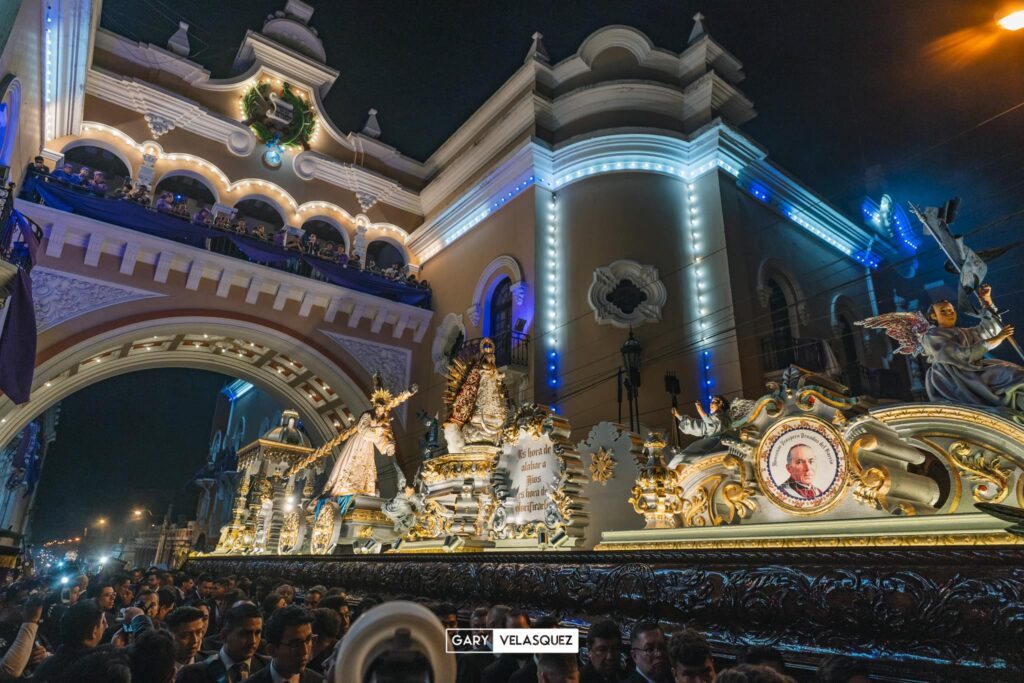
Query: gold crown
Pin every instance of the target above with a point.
(380, 395)
(486, 345)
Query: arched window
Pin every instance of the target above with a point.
(499, 322)
(258, 212)
(99, 159)
(325, 232)
(195, 191)
(779, 347)
(384, 254)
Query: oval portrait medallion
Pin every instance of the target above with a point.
(801, 465)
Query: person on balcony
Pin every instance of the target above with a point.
(123, 192)
(84, 176)
(240, 227)
(202, 216)
(37, 167)
(65, 175)
(98, 183)
(260, 233)
(165, 203)
(141, 195)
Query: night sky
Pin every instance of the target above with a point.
(133, 441)
(852, 97)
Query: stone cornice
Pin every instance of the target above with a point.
(132, 248)
(147, 99)
(310, 165)
(287, 63)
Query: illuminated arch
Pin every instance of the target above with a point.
(74, 368)
(189, 174)
(104, 145)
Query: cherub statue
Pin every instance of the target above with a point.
(403, 508)
(958, 371)
(708, 426)
(477, 405)
(355, 471)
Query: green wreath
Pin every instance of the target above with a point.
(297, 134)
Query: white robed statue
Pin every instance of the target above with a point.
(354, 471)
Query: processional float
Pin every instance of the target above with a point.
(805, 465)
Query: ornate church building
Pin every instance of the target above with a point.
(483, 350)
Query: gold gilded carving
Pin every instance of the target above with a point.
(458, 466)
(657, 495)
(323, 530)
(365, 532)
(967, 539)
(739, 495)
(289, 536)
(602, 466)
(954, 413)
(991, 479)
(433, 522)
(366, 517)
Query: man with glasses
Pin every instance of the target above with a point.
(649, 651)
(290, 640)
(604, 645)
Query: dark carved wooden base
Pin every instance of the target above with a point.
(920, 613)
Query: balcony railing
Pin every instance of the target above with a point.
(237, 243)
(511, 350)
(778, 353)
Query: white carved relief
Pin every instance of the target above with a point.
(393, 363)
(626, 293)
(59, 296)
(444, 340)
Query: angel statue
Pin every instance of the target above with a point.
(959, 371)
(708, 426)
(476, 400)
(355, 472)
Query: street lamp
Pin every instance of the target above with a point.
(631, 351)
(1014, 21)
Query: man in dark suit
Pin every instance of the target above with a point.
(290, 645)
(604, 646)
(507, 664)
(237, 658)
(649, 650)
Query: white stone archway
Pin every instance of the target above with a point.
(325, 395)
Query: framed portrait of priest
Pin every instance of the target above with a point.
(802, 465)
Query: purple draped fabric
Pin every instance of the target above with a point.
(122, 212)
(262, 252)
(27, 234)
(18, 341)
(370, 283)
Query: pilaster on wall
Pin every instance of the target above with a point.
(67, 30)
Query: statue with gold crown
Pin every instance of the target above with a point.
(354, 472)
(476, 401)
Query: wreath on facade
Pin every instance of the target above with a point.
(258, 103)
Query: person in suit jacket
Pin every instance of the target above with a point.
(237, 658)
(290, 639)
(649, 650)
(604, 645)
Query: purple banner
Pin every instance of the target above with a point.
(18, 341)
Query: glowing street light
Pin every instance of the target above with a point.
(64, 579)
(1013, 21)
(101, 521)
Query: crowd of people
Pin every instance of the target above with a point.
(168, 203)
(161, 627)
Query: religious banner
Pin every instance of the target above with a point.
(537, 482)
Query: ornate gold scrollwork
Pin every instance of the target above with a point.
(991, 479)
(289, 536)
(458, 466)
(602, 466)
(433, 522)
(739, 495)
(323, 530)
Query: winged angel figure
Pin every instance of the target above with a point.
(958, 370)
